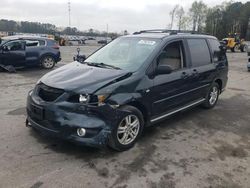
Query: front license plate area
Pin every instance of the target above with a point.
(37, 111)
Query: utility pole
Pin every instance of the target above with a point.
(69, 9)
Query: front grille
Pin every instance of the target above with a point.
(47, 93)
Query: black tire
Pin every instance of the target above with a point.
(233, 49)
(48, 62)
(114, 142)
(243, 48)
(209, 103)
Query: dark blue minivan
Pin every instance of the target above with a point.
(22, 51)
(133, 82)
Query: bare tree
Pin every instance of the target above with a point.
(185, 23)
(198, 14)
(180, 14)
(172, 14)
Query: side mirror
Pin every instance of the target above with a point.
(163, 69)
(5, 48)
(223, 48)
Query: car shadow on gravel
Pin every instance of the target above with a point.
(69, 148)
(222, 117)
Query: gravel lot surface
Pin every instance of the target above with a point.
(196, 148)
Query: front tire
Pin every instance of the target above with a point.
(128, 130)
(48, 62)
(212, 96)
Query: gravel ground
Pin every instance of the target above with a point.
(196, 148)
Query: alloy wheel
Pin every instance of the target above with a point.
(213, 95)
(48, 62)
(128, 129)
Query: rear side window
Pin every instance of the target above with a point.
(32, 43)
(216, 52)
(199, 52)
(41, 43)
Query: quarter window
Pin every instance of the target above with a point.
(41, 43)
(216, 52)
(199, 51)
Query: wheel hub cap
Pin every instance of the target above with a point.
(48, 62)
(128, 129)
(213, 95)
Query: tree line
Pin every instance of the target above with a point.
(220, 20)
(45, 28)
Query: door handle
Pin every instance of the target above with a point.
(184, 75)
(195, 73)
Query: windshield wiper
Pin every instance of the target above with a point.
(103, 65)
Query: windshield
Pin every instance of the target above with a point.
(2, 41)
(125, 53)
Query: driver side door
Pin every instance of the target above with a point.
(170, 90)
(13, 53)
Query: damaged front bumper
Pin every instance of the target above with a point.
(62, 119)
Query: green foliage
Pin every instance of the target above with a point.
(228, 18)
(198, 13)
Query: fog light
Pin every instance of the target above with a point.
(81, 132)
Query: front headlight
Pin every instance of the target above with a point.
(93, 99)
(84, 98)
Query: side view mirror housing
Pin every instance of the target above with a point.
(163, 69)
(223, 48)
(4, 48)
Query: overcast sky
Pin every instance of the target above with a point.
(131, 15)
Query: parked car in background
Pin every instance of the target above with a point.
(133, 82)
(102, 42)
(22, 51)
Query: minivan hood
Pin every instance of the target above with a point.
(79, 77)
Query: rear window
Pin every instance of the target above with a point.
(199, 52)
(42, 42)
(51, 43)
(216, 52)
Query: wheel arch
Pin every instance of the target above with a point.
(47, 55)
(140, 107)
(219, 82)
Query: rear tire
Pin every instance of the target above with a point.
(48, 62)
(243, 48)
(212, 96)
(127, 131)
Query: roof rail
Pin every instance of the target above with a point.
(171, 32)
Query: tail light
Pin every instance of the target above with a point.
(57, 47)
